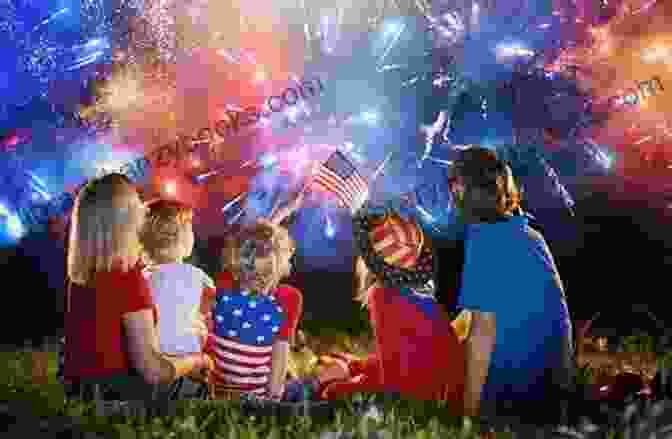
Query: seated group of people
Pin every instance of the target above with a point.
(135, 329)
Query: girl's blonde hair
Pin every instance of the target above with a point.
(162, 235)
(268, 265)
(106, 219)
(286, 249)
(365, 280)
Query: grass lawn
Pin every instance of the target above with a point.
(40, 410)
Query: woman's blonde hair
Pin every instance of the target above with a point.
(286, 249)
(277, 244)
(162, 235)
(106, 219)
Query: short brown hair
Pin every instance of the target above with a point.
(165, 222)
(490, 189)
(268, 266)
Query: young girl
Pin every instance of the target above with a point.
(418, 353)
(279, 217)
(111, 339)
(254, 318)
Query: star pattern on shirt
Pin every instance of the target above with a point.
(246, 318)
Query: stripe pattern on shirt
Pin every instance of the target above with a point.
(245, 326)
(241, 367)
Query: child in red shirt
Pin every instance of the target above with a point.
(418, 353)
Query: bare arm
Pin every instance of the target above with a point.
(281, 214)
(284, 212)
(279, 361)
(142, 342)
(478, 347)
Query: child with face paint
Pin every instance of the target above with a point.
(254, 318)
(419, 353)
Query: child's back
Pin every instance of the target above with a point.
(178, 289)
(420, 353)
(246, 327)
(253, 318)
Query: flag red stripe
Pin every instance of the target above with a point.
(341, 185)
(347, 189)
(335, 184)
(328, 187)
(343, 182)
(355, 185)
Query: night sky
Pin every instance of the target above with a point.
(620, 252)
(611, 254)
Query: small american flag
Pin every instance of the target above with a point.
(339, 176)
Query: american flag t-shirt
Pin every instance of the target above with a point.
(340, 177)
(241, 367)
(245, 326)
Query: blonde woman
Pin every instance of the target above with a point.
(254, 317)
(110, 326)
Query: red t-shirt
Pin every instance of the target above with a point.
(94, 332)
(224, 280)
(291, 301)
(417, 355)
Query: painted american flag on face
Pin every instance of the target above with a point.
(340, 177)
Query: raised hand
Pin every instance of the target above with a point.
(294, 204)
(298, 199)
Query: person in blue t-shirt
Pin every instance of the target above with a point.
(520, 347)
